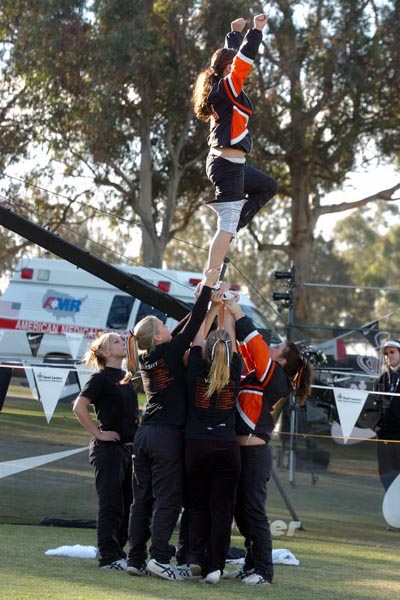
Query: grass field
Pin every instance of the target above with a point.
(344, 548)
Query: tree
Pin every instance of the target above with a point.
(316, 108)
(110, 90)
(109, 85)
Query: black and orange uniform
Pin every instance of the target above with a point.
(116, 407)
(158, 447)
(212, 463)
(230, 107)
(263, 386)
(388, 427)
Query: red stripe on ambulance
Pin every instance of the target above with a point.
(53, 328)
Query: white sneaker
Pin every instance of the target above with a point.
(255, 579)
(117, 565)
(137, 571)
(239, 575)
(212, 577)
(186, 571)
(163, 570)
(228, 295)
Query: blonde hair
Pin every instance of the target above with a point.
(217, 353)
(141, 340)
(206, 78)
(95, 358)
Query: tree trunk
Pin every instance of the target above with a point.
(301, 242)
(152, 251)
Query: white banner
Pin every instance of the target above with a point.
(31, 380)
(391, 504)
(83, 377)
(50, 383)
(357, 434)
(12, 467)
(349, 404)
(74, 341)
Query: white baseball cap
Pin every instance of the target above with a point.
(391, 344)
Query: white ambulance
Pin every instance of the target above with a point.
(51, 309)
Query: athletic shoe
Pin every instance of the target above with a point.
(137, 571)
(228, 295)
(165, 571)
(186, 571)
(239, 575)
(255, 579)
(212, 577)
(117, 565)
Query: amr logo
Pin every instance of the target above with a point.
(61, 305)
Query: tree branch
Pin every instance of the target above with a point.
(385, 195)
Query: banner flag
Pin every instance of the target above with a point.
(31, 381)
(83, 377)
(50, 383)
(74, 342)
(357, 434)
(349, 404)
(34, 340)
(12, 467)
(391, 504)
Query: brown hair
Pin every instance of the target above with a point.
(206, 79)
(95, 358)
(300, 371)
(217, 354)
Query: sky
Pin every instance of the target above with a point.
(360, 184)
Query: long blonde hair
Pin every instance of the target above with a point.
(206, 78)
(95, 358)
(217, 353)
(141, 340)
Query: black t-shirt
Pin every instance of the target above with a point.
(212, 417)
(163, 374)
(116, 405)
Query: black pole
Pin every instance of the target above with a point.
(285, 498)
(131, 284)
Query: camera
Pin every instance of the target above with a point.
(315, 356)
(279, 296)
(283, 274)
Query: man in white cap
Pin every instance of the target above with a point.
(388, 426)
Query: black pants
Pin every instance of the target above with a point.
(112, 464)
(238, 181)
(250, 512)
(212, 472)
(157, 492)
(388, 462)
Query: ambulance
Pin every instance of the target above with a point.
(51, 309)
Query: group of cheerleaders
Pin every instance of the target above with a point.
(201, 448)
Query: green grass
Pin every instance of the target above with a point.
(345, 550)
(330, 570)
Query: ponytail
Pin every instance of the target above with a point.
(299, 370)
(217, 353)
(206, 79)
(140, 340)
(95, 358)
